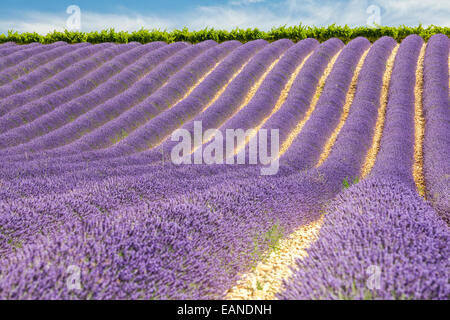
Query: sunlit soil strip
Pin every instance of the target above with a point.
(266, 279)
(217, 95)
(198, 82)
(222, 90)
(294, 133)
(249, 96)
(379, 126)
(345, 110)
(419, 126)
(281, 99)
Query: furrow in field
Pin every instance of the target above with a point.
(338, 165)
(260, 105)
(231, 93)
(419, 125)
(166, 93)
(66, 213)
(376, 225)
(150, 91)
(281, 100)
(123, 140)
(261, 87)
(239, 90)
(160, 64)
(20, 116)
(10, 49)
(153, 100)
(267, 278)
(241, 81)
(82, 208)
(354, 141)
(6, 45)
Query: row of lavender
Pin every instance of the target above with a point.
(310, 122)
(306, 131)
(170, 232)
(379, 238)
(180, 246)
(149, 108)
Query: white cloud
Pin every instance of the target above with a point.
(244, 14)
(45, 22)
(413, 12)
(244, 2)
(228, 18)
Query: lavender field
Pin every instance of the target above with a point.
(92, 207)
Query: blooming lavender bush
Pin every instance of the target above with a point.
(92, 208)
(436, 107)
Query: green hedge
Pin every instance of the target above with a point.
(295, 33)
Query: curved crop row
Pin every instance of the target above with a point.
(85, 195)
(157, 129)
(210, 251)
(238, 84)
(49, 70)
(380, 240)
(71, 110)
(21, 55)
(11, 47)
(395, 157)
(237, 94)
(350, 149)
(158, 98)
(235, 90)
(17, 71)
(80, 125)
(20, 116)
(286, 47)
(164, 98)
(160, 65)
(311, 72)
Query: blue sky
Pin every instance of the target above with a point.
(44, 16)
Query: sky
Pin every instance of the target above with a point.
(47, 15)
